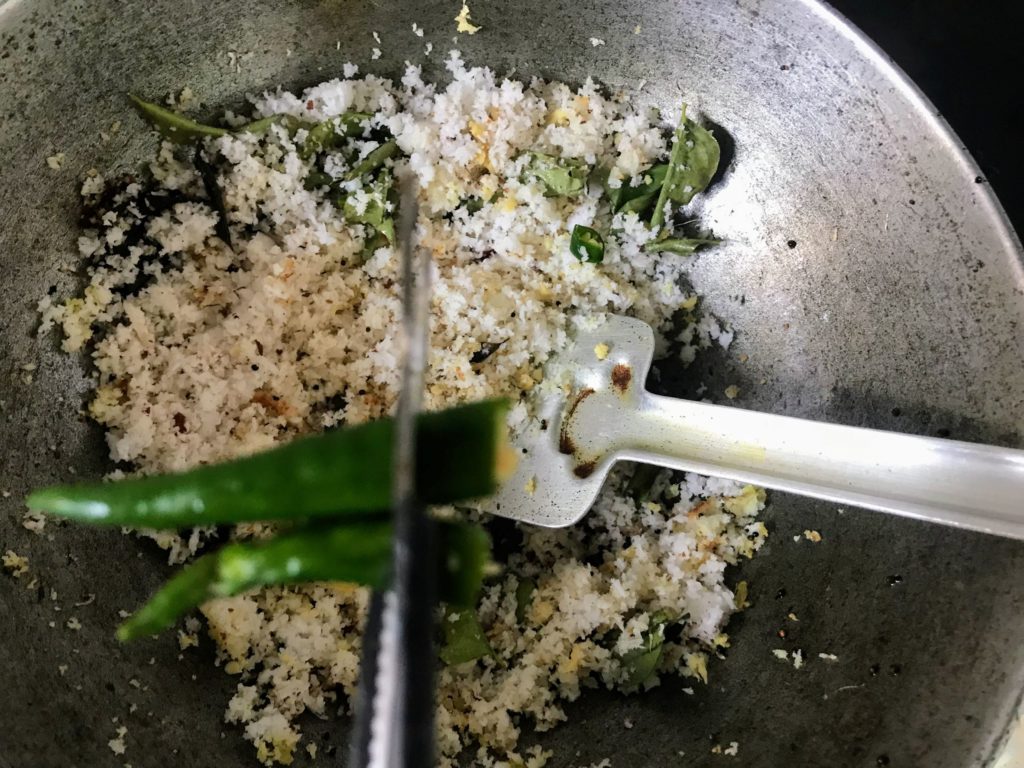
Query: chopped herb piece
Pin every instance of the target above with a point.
(473, 204)
(373, 243)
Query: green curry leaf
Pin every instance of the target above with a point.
(560, 176)
(638, 199)
(642, 662)
(683, 246)
(691, 166)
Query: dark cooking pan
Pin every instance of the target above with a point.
(870, 279)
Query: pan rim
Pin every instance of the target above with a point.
(1007, 749)
(917, 98)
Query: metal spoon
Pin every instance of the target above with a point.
(602, 414)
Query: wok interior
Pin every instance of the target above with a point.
(871, 282)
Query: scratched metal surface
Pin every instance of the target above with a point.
(871, 280)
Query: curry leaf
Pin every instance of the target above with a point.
(372, 244)
(642, 482)
(683, 246)
(560, 176)
(697, 162)
(642, 662)
(638, 199)
(473, 204)
(691, 166)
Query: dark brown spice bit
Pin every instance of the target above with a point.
(622, 375)
(583, 471)
(272, 403)
(487, 349)
(179, 423)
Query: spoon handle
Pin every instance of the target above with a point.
(980, 487)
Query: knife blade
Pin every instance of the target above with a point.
(395, 710)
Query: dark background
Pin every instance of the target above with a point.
(968, 58)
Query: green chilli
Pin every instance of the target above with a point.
(334, 474)
(586, 244)
(683, 246)
(356, 552)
